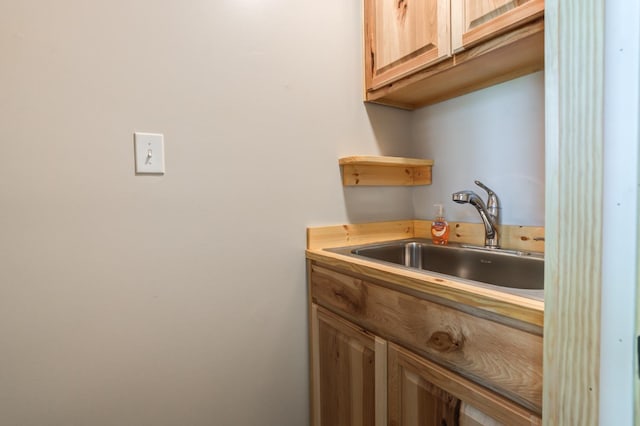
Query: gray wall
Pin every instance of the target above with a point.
(128, 300)
(495, 136)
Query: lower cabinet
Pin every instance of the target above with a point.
(421, 392)
(346, 373)
(359, 379)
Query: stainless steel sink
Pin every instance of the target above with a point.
(504, 268)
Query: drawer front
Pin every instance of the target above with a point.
(504, 359)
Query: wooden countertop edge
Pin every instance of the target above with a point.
(508, 305)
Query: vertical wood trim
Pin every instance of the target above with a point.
(410, 406)
(368, 43)
(315, 365)
(457, 24)
(381, 381)
(574, 172)
(393, 386)
(444, 32)
(552, 197)
(357, 377)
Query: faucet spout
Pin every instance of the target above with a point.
(488, 212)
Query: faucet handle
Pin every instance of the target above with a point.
(492, 202)
(485, 187)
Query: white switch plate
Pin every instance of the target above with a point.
(149, 149)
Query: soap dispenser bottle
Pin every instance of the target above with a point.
(439, 227)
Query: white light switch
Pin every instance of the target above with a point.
(149, 149)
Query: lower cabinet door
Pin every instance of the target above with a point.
(414, 399)
(426, 394)
(471, 416)
(349, 373)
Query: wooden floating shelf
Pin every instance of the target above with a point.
(385, 171)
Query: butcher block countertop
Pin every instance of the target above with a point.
(504, 306)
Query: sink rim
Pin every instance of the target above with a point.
(537, 294)
(449, 246)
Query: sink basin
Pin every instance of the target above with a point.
(504, 268)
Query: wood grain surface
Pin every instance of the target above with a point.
(503, 358)
(525, 310)
(411, 400)
(353, 234)
(574, 81)
(403, 36)
(526, 238)
(507, 56)
(483, 20)
(382, 170)
(344, 368)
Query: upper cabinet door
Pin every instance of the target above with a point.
(403, 36)
(474, 21)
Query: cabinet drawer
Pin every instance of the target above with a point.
(499, 357)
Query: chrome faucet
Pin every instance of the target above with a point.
(489, 213)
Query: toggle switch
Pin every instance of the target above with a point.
(149, 150)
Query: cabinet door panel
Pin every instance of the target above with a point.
(403, 36)
(474, 21)
(345, 371)
(426, 394)
(423, 403)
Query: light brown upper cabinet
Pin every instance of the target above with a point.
(419, 52)
(405, 36)
(474, 21)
